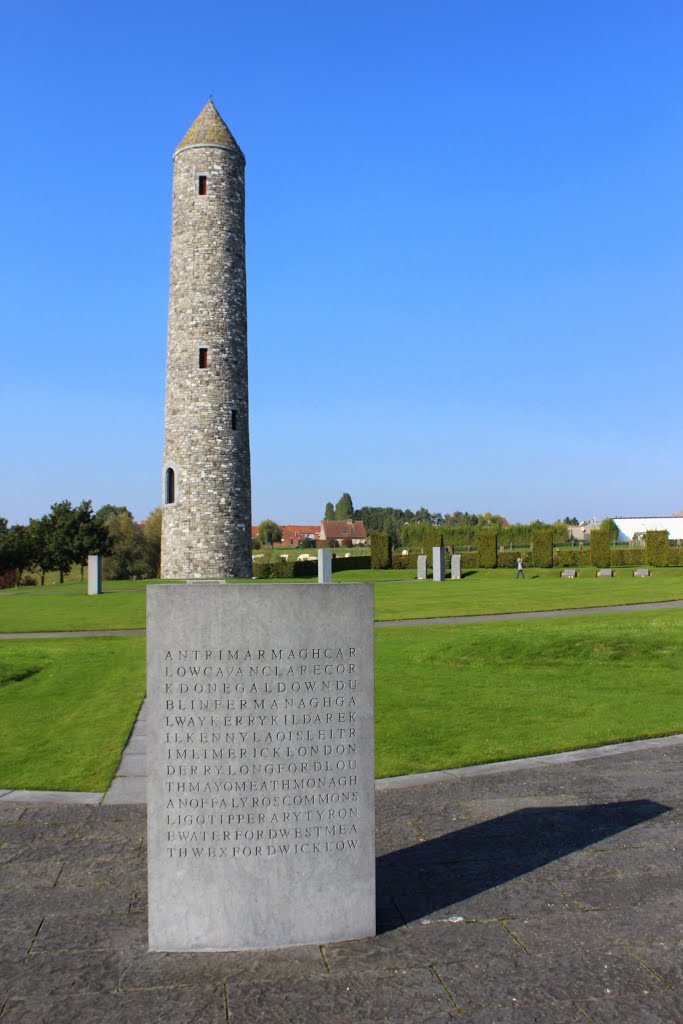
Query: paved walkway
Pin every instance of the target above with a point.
(546, 891)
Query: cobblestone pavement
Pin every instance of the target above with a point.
(552, 893)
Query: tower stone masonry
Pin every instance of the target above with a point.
(206, 526)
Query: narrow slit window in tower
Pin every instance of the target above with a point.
(170, 487)
(202, 184)
(203, 358)
(233, 419)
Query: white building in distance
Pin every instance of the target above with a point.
(631, 527)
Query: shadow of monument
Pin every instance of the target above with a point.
(443, 872)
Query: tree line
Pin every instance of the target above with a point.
(404, 525)
(67, 534)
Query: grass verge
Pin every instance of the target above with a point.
(448, 696)
(66, 710)
(481, 592)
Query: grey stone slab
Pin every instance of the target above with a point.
(94, 574)
(259, 697)
(439, 564)
(389, 997)
(421, 944)
(17, 935)
(324, 565)
(569, 574)
(158, 1006)
(540, 980)
(456, 572)
(422, 567)
(666, 961)
(642, 572)
(605, 572)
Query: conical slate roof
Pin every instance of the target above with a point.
(209, 129)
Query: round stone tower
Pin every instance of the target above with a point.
(206, 527)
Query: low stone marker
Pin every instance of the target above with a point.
(422, 567)
(605, 572)
(94, 574)
(642, 572)
(439, 563)
(324, 565)
(455, 567)
(260, 765)
(569, 574)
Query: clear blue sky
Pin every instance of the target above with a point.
(464, 249)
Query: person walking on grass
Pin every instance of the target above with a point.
(520, 568)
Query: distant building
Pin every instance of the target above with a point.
(292, 535)
(347, 532)
(633, 527)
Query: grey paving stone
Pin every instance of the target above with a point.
(656, 1008)
(27, 796)
(556, 1013)
(10, 813)
(102, 872)
(540, 980)
(394, 997)
(143, 970)
(25, 874)
(419, 945)
(665, 961)
(104, 932)
(105, 829)
(652, 924)
(198, 1005)
(601, 894)
(132, 764)
(131, 790)
(102, 899)
(519, 897)
(42, 975)
(17, 934)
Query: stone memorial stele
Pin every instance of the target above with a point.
(260, 765)
(439, 563)
(641, 572)
(324, 565)
(455, 567)
(605, 572)
(569, 574)
(94, 574)
(422, 567)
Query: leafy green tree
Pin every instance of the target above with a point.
(91, 537)
(15, 553)
(41, 552)
(269, 532)
(126, 546)
(329, 511)
(344, 507)
(63, 528)
(570, 521)
(612, 528)
(151, 535)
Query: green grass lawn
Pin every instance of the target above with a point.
(66, 710)
(398, 596)
(448, 696)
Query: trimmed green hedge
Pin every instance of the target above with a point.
(278, 569)
(380, 551)
(542, 547)
(352, 562)
(487, 549)
(657, 547)
(508, 559)
(600, 548)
